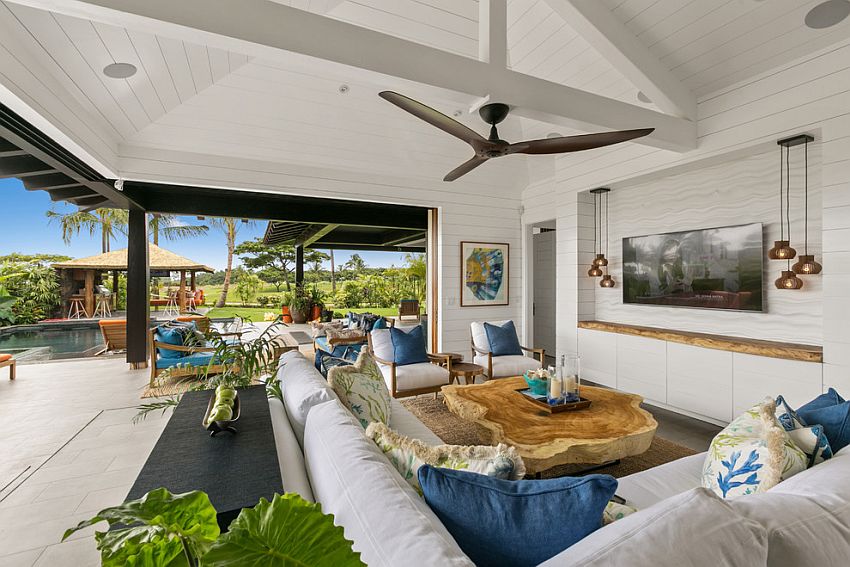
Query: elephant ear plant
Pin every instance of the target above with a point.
(180, 530)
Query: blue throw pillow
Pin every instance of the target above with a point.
(833, 413)
(172, 336)
(515, 522)
(381, 323)
(503, 340)
(408, 348)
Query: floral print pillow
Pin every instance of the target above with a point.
(362, 389)
(752, 454)
(408, 455)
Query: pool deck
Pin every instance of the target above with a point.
(69, 450)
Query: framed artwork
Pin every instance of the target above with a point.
(484, 274)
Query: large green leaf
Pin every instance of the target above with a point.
(161, 524)
(288, 531)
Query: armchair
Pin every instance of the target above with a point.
(501, 366)
(189, 360)
(409, 379)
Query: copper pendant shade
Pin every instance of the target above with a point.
(600, 260)
(781, 251)
(595, 271)
(600, 263)
(788, 280)
(806, 265)
(607, 281)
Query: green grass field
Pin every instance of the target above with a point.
(256, 314)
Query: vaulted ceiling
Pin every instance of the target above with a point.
(192, 96)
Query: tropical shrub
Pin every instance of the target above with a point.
(247, 287)
(36, 288)
(263, 300)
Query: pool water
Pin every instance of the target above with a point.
(41, 342)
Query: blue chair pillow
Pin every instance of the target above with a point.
(515, 522)
(503, 340)
(381, 323)
(171, 336)
(832, 412)
(408, 348)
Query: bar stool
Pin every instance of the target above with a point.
(102, 309)
(77, 307)
(171, 308)
(190, 301)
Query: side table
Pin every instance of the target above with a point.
(467, 370)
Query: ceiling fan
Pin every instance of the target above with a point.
(493, 146)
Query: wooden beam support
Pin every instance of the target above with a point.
(74, 191)
(493, 32)
(138, 288)
(313, 234)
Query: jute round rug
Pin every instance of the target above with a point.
(456, 431)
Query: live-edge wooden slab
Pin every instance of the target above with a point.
(772, 349)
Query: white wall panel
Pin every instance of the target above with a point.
(642, 367)
(699, 380)
(598, 351)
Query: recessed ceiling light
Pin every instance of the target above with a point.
(828, 14)
(119, 70)
(643, 98)
(343, 88)
(551, 135)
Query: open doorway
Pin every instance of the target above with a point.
(543, 306)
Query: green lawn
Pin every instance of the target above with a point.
(256, 313)
(213, 291)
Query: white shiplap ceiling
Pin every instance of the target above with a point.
(193, 97)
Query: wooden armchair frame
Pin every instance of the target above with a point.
(176, 371)
(489, 376)
(11, 363)
(438, 359)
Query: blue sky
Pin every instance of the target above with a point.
(24, 228)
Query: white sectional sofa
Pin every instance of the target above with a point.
(325, 456)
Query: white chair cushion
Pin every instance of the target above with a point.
(510, 365)
(293, 472)
(649, 487)
(414, 376)
(692, 529)
(407, 424)
(382, 344)
(389, 523)
(807, 516)
(303, 387)
(479, 335)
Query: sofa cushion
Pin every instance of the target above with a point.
(389, 523)
(504, 366)
(293, 472)
(408, 455)
(195, 359)
(807, 517)
(517, 523)
(382, 344)
(503, 339)
(408, 346)
(752, 454)
(833, 413)
(414, 376)
(361, 388)
(812, 440)
(403, 421)
(319, 329)
(649, 487)
(303, 387)
(692, 529)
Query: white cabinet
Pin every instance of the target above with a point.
(759, 376)
(598, 351)
(699, 380)
(642, 367)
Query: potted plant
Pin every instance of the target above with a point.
(317, 300)
(182, 530)
(285, 299)
(299, 305)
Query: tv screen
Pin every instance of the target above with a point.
(712, 268)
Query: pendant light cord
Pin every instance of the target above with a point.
(806, 202)
(788, 195)
(606, 224)
(781, 195)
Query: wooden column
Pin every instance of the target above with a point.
(115, 289)
(89, 293)
(181, 294)
(299, 266)
(192, 281)
(138, 288)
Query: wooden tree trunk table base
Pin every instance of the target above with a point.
(613, 427)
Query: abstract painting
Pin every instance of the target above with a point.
(484, 274)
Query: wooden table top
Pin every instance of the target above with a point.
(613, 427)
(467, 368)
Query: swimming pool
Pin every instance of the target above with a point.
(50, 341)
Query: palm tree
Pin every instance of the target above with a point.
(355, 263)
(333, 273)
(172, 229)
(108, 222)
(230, 227)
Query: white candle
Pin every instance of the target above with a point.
(571, 383)
(554, 388)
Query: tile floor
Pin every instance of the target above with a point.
(69, 448)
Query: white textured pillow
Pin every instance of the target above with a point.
(362, 389)
(345, 334)
(319, 329)
(382, 344)
(303, 387)
(408, 455)
(692, 529)
(752, 454)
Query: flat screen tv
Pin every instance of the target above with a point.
(711, 268)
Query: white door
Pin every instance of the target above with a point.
(544, 291)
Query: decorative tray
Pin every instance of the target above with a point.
(219, 426)
(543, 403)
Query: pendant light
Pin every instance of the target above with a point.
(594, 270)
(782, 248)
(788, 280)
(806, 264)
(602, 261)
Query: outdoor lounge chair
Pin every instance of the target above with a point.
(114, 333)
(193, 362)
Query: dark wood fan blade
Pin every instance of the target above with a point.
(464, 168)
(434, 117)
(576, 143)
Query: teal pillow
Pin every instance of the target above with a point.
(408, 348)
(381, 323)
(171, 336)
(503, 340)
(832, 412)
(519, 522)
